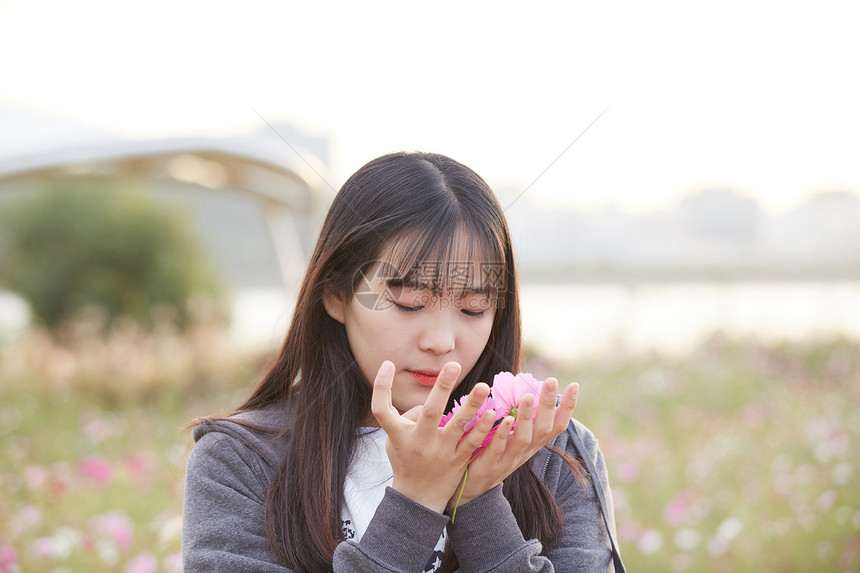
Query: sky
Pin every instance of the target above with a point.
(760, 97)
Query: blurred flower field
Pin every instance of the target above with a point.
(93, 446)
(739, 457)
(736, 458)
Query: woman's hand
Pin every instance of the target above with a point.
(507, 451)
(429, 461)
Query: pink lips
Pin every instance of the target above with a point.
(424, 377)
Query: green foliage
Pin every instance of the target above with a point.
(85, 243)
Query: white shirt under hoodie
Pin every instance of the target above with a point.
(364, 487)
(368, 475)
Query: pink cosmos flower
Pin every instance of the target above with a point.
(59, 546)
(115, 526)
(146, 562)
(95, 469)
(508, 389)
(8, 559)
(489, 404)
(173, 563)
(140, 467)
(36, 476)
(676, 510)
(506, 393)
(628, 470)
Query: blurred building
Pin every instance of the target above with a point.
(255, 201)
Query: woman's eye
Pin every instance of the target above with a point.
(405, 308)
(473, 313)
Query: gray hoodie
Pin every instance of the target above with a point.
(231, 467)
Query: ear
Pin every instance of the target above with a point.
(335, 306)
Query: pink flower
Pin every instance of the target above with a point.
(95, 469)
(509, 389)
(146, 562)
(173, 563)
(628, 471)
(8, 559)
(36, 476)
(140, 468)
(59, 546)
(676, 510)
(115, 526)
(43, 547)
(489, 404)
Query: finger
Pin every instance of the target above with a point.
(473, 440)
(412, 414)
(436, 401)
(549, 394)
(523, 428)
(468, 409)
(380, 401)
(545, 415)
(566, 406)
(497, 445)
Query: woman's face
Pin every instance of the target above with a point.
(416, 328)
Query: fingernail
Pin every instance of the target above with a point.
(450, 371)
(386, 368)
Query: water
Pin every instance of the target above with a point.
(573, 321)
(568, 321)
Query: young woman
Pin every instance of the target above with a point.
(337, 460)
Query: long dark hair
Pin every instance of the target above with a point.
(414, 204)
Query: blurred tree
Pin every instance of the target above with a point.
(87, 242)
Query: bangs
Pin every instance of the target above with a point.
(450, 259)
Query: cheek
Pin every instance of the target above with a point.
(374, 336)
(476, 338)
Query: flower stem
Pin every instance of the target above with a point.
(459, 495)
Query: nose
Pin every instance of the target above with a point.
(438, 333)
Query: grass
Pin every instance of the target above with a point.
(738, 457)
